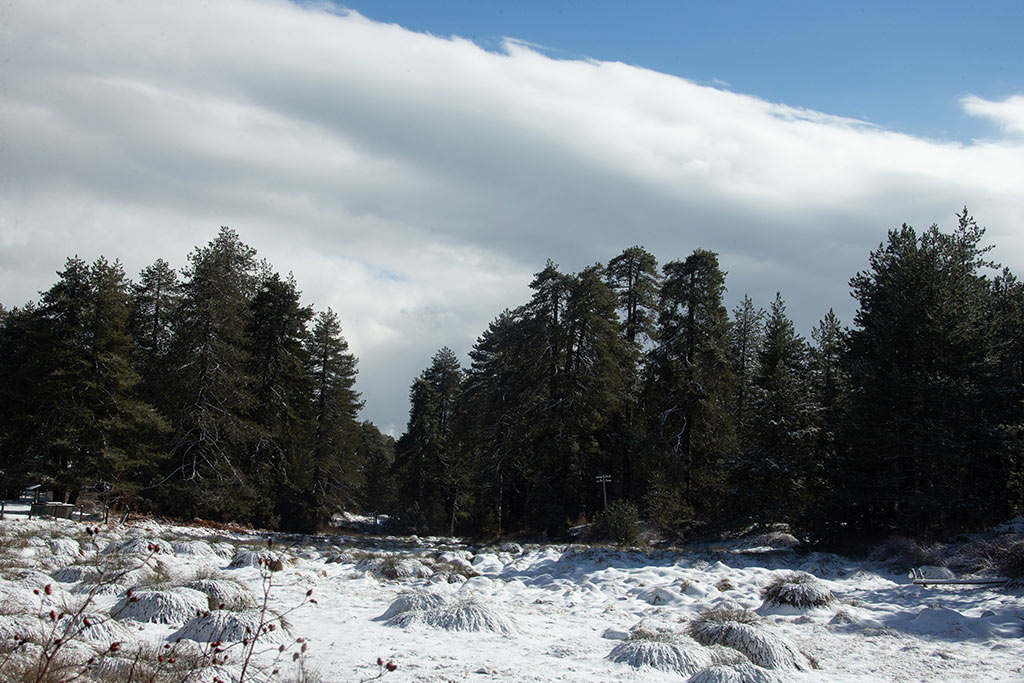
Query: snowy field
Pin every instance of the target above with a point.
(441, 610)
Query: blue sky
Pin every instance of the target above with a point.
(413, 168)
(900, 65)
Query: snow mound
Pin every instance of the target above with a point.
(73, 574)
(24, 626)
(677, 656)
(136, 546)
(394, 567)
(413, 602)
(64, 546)
(121, 669)
(232, 627)
(463, 615)
(246, 557)
(741, 630)
(211, 673)
(797, 589)
(174, 606)
(932, 572)
(737, 673)
(193, 549)
(225, 594)
(658, 595)
(93, 627)
(31, 578)
(15, 599)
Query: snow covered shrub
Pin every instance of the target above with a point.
(193, 549)
(724, 585)
(674, 654)
(619, 523)
(778, 539)
(225, 594)
(744, 672)
(454, 570)
(136, 546)
(232, 627)
(246, 557)
(64, 546)
(741, 630)
(901, 553)
(92, 627)
(174, 606)
(394, 567)
(1003, 557)
(468, 614)
(797, 589)
(412, 602)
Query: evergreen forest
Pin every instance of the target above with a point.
(215, 393)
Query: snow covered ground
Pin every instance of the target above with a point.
(445, 611)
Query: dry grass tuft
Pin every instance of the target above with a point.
(797, 589)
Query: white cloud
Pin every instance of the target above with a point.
(413, 183)
(1008, 114)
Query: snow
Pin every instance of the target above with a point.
(443, 610)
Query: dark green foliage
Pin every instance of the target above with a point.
(689, 385)
(211, 398)
(619, 523)
(154, 307)
(924, 447)
(321, 459)
(428, 463)
(771, 479)
(746, 336)
(221, 395)
(79, 421)
(633, 277)
(377, 453)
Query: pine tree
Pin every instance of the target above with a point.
(503, 397)
(281, 391)
(776, 467)
(431, 472)
(154, 306)
(327, 474)
(920, 361)
(93, 432)
(689, 385)
(210, 385)
(746, 337)
(376, 452)
(831, 390)
(633, 277)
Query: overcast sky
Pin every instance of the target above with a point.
(414, 181)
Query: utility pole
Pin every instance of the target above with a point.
(603, 479)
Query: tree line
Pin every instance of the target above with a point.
(910, 421)
(213, 393)
(216, 393)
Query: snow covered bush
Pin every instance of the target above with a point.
(901, 553)
(412, 602)
(225, 594)
(247, 557)
(797, 589)
(741, 630)
(468, 614)
(674, 654)
(174, 606)
(736, 673)
(233, 627)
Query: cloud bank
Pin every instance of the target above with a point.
(415, 182)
